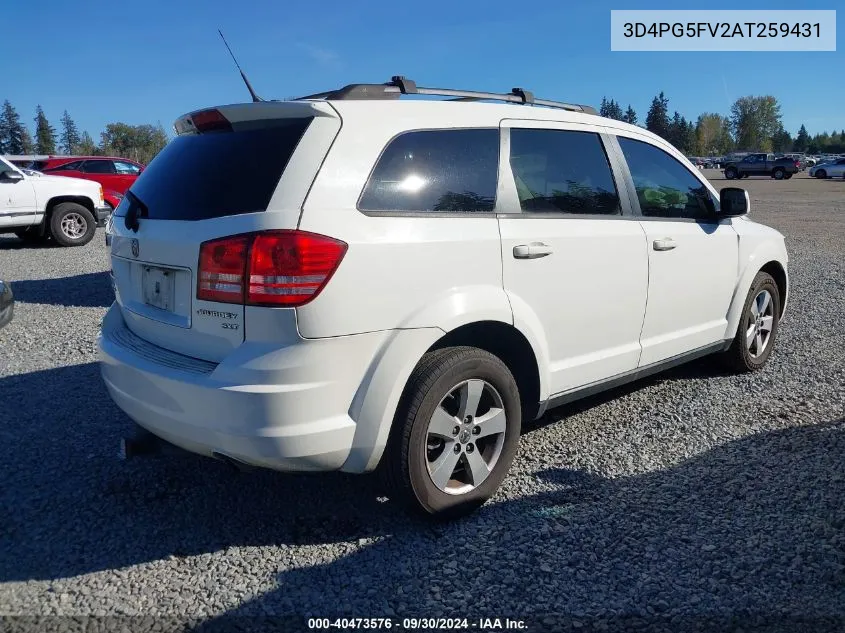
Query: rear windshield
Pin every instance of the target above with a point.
(202, 176)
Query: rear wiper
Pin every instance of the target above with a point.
(137, 209)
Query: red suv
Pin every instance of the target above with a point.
(116, 175)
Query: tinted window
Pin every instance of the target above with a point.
(665, 188)
(74, 166)
(200, 176)
(127, 169)
(435, 170)
(98, 167)
(562, 172)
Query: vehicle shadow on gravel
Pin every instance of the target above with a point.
(89, 290)
(746, 529)
(743, 537)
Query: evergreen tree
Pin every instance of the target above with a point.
(26, 141)
(603, 108)
(70, 135)
(630, 116)
(86, 145)
(615, 111)
(13, 134)
(802, 141)
(45, 134)
(657, 119)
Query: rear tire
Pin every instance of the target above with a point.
(71, 224)
(757, 330)
(455, 433)
(778, 174)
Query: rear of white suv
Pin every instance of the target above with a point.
(201, 346)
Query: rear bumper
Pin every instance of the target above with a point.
(101, 214)
(284, 407)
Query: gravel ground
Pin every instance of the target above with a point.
(691, 500)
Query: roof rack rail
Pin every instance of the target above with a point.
(399, 85)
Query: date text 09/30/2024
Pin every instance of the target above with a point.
(419, 624)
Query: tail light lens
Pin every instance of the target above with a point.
(222, 269)
(271, 268)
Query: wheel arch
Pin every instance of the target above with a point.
(771, 264)
(53, 202)
(376, 401)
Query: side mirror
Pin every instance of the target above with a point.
(11, 176)
(733, 202)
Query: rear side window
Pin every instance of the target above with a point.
(126, 169)
(665, 188)
(436, 171)
(202, 176)
(558, 171)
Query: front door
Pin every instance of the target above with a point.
(575, 264)
(692, 259)
(17, 199)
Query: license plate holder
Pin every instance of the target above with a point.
(158, 286)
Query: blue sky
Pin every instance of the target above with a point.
(150, 61)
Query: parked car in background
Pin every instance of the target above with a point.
(37, 208)
(834, 169)
(7, 303)
(255, 320)
(116, 175)
(762, 165)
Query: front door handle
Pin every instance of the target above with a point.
(666, 244)
(532, 250)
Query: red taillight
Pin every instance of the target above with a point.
(281, 268)
(222, 269)
(211, 121)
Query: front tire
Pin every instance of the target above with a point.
(455, 433)
(758, 327)
(730, 173)
(821, 174)
(71, 224)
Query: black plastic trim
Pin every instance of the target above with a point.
(635, 374)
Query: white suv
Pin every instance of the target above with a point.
(349, 280)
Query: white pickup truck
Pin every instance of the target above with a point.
(36, 207)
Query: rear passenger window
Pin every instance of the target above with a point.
(435, 171)
(665, 188)
(558, 171)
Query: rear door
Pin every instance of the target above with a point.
(692, 258)
(204, 186)
(571, 252)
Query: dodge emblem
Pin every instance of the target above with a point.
(136, 248)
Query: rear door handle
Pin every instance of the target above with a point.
(666, 244)
(532, 250)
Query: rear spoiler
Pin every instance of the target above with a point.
(238, 114)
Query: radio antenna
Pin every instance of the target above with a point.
(255, 97)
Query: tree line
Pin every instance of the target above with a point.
(138, 142)
(754, 124)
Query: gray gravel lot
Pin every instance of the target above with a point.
(691, 500)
